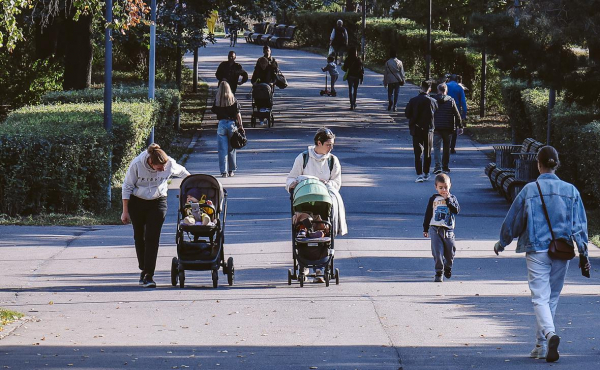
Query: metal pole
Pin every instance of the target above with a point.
(551, 102)
(364, 27)
(152, 64)
(428, 71)
(483, 83)
(108, 88)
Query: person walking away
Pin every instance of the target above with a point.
(144, 197)
(439, 224)
(227, 109)
(355, 73)
(393, 78)
(339, 40)
(546, 210)
(457, 92)
(317, 161)
(420, 111)
(447, 121)
(333, 73)
(231, 71)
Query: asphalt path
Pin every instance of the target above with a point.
(78, 286)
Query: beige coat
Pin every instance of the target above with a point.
(393, 71)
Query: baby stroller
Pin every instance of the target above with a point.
(200, 244)
(312, 232)
(262, 104)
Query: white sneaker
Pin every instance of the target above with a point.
(539, 351)
(420, 178)
(426, 176)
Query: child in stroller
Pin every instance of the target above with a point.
(262, 104)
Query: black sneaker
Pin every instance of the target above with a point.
(438, 278)
(437, 171)
(142, 275)
(553, 342)
(446, 170)
(447, 273)
(149, 282)
(452, 151)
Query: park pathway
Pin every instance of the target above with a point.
(80, 285)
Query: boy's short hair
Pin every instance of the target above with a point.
(442, 178)
(330, 58)
(426, 85)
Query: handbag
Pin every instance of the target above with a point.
(346, 75)
(559, 249)
(238, 140)
(280, 80)
(400, 81)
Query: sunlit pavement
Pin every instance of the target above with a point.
(79, 285)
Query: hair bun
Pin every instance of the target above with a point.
(551, 162)
(153, 147)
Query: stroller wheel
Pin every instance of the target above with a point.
(337, 276)
(326, 276)
(253, 122)
(301, 279)
(182, 279)
(230, 271)
(289, 276)
(271, 121)
(174, 271)
(215, 278)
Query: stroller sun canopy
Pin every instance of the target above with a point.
(311, 191)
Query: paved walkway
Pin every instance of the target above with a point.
(79, 285)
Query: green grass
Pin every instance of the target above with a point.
(492, 129)
(7, 316)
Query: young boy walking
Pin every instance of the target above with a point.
(333, 72)
(438, 224)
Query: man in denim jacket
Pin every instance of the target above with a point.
(526, 220)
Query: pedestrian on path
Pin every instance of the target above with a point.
(547, 210)
(331, 68)
(420, 111)
(438, 224)
(338, 41)
(231, 71)
(355, 72)
(393, 78)
(457, 92)
(447, 121)
(318, 162)
(271, 59)
(145, 204)
(227, 109)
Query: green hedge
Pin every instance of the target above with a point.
(169, 101)
(56, 158)
(314, 28)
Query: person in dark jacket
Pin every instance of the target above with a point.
(447, 121)
(227, 109)
(270, 58)
(420, 111)
(263, 72)
(339, 40)
(231, 71)
(355, 74)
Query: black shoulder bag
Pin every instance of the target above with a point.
(559, 249)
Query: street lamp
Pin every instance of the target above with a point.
(428, 71)
(108, 87)
(152, 63)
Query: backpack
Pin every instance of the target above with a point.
(305, 160)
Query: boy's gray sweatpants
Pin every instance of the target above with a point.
(442, 247)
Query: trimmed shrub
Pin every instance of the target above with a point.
(169, 101)
(314, 28)
(56, 158)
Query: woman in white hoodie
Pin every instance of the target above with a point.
(326, 167)
(145, 204)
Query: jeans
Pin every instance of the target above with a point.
(453, 141)
(422, 143)
(227, 155)
(439, 137)
(443, 247)
(353, 89)
(393, 89)
(147, 218)
(546, 278)
(334, 78)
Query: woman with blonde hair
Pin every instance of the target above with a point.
(227, 109)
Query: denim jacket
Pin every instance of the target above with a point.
(526, 219)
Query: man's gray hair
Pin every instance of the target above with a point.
(340, 22)
(442, 88)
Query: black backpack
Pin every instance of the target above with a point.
(305, 160)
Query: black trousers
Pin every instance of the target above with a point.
(147, 218)
(422, 144)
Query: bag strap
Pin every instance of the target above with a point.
(305, 160)
(545, 210)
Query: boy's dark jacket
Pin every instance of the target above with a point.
(420, 111)
(452, 204)
(447, 116)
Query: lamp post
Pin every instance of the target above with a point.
(364, 27)
(108, 88)
(152, 62)
(428, 71)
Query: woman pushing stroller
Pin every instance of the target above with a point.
(317, 161)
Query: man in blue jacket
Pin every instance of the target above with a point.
(458, 94)
(420, 111)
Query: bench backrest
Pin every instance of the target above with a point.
(269, 29)
(279, 30)
(260, 27)
(531, 146)
(289, 32)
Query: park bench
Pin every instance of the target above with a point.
(257, 36)
(278, 31)
(278, 41)
(515, 166)
(256, 28)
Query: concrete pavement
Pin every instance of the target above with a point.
(79, 285)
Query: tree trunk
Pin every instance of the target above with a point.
(349, 5)
(594, 47)
(78, 53)
(195, 71)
